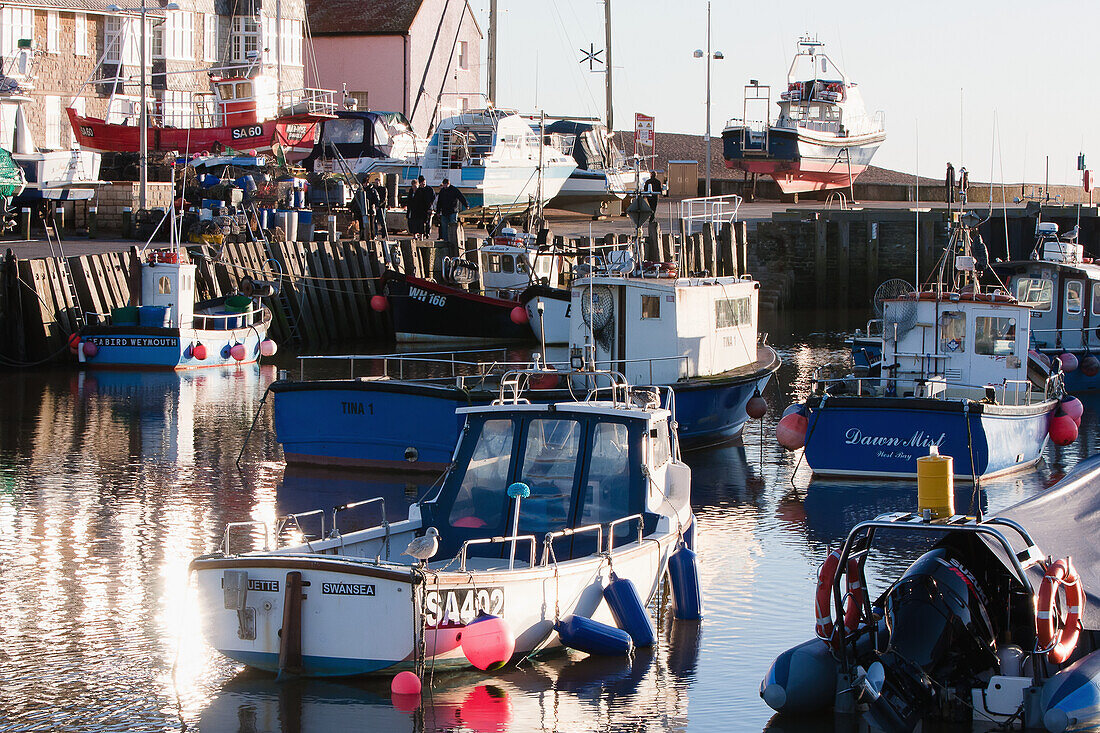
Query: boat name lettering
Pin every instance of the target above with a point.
(347, 589)
(357, 408)
(425, 297)
(134, 341)
(240, 133)
(460, 606)
(271, 586)
(919, 439)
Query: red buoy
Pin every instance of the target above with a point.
(379, 303)
(757, 406)
(405, 683)
(90, 349)
(487, 642)
(268, 347)
(1069, 361)
(791, 431)
(1063, 430)
(1072, 407)
(74, 343)
(237, 351)
(518, 315)
(199, 351)
(1090, 366)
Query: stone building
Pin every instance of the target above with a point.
(183, 47)
(418, 57)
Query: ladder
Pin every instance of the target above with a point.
(58, 252)
(285, 301)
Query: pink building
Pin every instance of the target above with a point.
(418, 57)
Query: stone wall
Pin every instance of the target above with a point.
(114, 197)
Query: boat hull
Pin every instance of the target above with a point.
(425, 309)
(503, 189)
(552, 325)
(801, 163)
(590, 191)
(403, 425)
(143, 347)
(883, 437)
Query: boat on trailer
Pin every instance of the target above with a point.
(972, 633)
(540, 503)
(954, 374)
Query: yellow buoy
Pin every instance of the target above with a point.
(936, 484)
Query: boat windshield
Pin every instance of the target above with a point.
(478, 501)
(549, 468)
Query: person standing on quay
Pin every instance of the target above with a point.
(410, 207)
(448, 203)
(655, 188)
(382, 196)
(422, 208)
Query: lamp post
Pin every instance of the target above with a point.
(717, 56)
(143, 156)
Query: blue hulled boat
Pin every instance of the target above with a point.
(954, 375)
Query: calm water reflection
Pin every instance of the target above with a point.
(111, 482)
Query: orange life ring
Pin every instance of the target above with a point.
(1059, 645)
(853, 599)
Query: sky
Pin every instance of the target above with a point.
(995, 86)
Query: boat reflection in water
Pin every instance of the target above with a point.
(303, 489)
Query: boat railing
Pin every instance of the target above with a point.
(874, 329)
(548, 540)
(226, 548)
(222, 321)
(1021, 390)
(354, 504)
(290, 521)
(514, 539)
(715, 210)
(1059, 332)
(614, 523)
(307, 100)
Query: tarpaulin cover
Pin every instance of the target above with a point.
(11, 176)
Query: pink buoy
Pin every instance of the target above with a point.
(1063, 430)
(1072, 407)
(756, 407)
(90, 349)
(268, 347)
(791, 431)
(487, 642)
(74, 343)
(518, 316)
(237, 351)
(405, 683)
(198, 351)
(379, 303)
(1090, 366)
(1069, 361)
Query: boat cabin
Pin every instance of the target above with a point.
(476, 139)
(956, 347)
(511, 261)
(593, 146)
(586, 463)
(244, 101)
(168, 285)
(659, 330)
(358, 135)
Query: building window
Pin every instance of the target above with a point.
(210, 37)
(53, 31)
(80, 34)
(360, 99)
(15, 23)
(52, 138)
(245, 39)
(176, 108)
(157, 42)
(729, 312)
(122, 38)
(463, 58)
(290, 38)
(179, 35)
(651, 306)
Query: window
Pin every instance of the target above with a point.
(953, 332)
(651, 306)
(607, 488)
(549, 468)
(508, 264)
(730, 312)
(342, 132)
(360, 99)
(176, 108)
(15, 23)
(659, 436)
(179, 35)
(157, 42)
(80, 34)
(494, 263)
(521, 264)
(1035, 292)
(209, 37)
(995, 336)
(53, 31)
(480, 499)
(290, 42)
(164, 285)
(52, 137)
(1096, 299)
(245, 38)
(122, 37)
(463, 58)
(1074, 290)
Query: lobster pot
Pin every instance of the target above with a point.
(305, 225)
(629, 611)
(592, 637)
(687, 599)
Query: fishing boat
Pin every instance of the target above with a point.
(602, 177)
(499, 163)
(49, 174)
(954, 374)
(823, 138)
(1062, 287)
(972, 633)
(698, 335)
(516, 272)
(541, 502)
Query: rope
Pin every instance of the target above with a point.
(244, 445)
(809, 434)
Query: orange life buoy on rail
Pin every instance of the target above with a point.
(853, 598)
(1059, 645)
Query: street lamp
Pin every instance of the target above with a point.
(144, 114)
(717, 56)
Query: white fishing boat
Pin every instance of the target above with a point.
(540, 503)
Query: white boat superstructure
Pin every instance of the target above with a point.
(604, 486)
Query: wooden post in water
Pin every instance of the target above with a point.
(820, 251)
(742, 247)
(872, 257)
(843, 260)
(727, 259)
(710, 258)
(928, 255)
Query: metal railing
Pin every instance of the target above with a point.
(715, 210)
(514, 539)
(212, 321)
(308, 100)
(936, 386)
(225, 547)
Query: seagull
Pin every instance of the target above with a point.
(424, 548)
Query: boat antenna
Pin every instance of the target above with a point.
(916, 179)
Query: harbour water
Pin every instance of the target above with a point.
(110, 483)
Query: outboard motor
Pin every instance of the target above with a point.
(941, 637)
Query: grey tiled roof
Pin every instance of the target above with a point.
(361, 17)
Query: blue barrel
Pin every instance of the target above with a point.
(206, 180)
(155, 316)
(629, 611)
(687, 599)
(248, 183)
(305, 225)
(592, 637)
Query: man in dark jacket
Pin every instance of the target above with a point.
(422, 208)
(448, 203)
(382, 195)
(373, 207)
(654, 187)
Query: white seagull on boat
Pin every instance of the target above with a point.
(424, 548)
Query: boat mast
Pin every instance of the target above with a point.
(608, 70)
(492, 56)
(143, 166)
